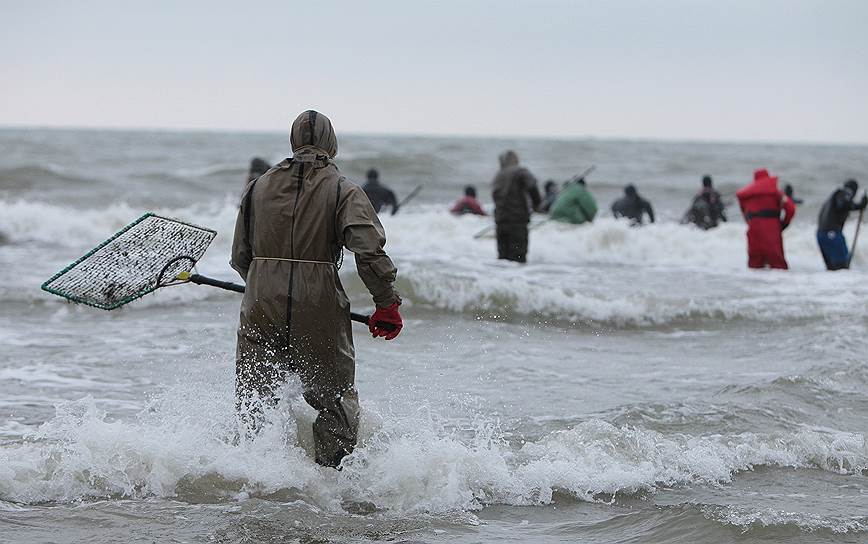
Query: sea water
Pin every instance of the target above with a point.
(626, 385)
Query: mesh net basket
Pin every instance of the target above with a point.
(146, 254)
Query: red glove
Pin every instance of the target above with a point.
(379, 323)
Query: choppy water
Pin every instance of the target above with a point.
(628, 385)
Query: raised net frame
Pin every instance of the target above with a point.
(135, 261)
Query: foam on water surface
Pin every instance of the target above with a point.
(184, 445)
(605, 273)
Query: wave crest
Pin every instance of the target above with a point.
(402, 464)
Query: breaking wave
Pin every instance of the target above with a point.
(603, 274)
(183, 445)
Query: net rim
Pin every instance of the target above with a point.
(126, 300)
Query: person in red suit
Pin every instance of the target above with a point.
(468, 204)
(761, 204)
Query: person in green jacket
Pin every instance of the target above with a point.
(575, 204)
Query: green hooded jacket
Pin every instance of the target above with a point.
(575, 204)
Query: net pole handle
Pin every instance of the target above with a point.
(199, 279)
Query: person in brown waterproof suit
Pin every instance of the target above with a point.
(292, 226)
(515, 195)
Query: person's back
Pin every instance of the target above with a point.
(707, 209)
(468, 203)
(515, 195)
(760, 198)
(379, 194)
(633, 207)
(575, 204)
(515, 191)
(837, 207)
(761, 204)
(293, 223)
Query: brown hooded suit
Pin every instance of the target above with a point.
(293, 223)
(515, 195)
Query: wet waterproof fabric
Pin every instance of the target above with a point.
(514, 191)
(467, 204)
(575, 204)
(512, 241)
(833, 246)
(836, 209)
(707, 210)
(515, 196)
(762, 203)
(633, 208)
(380, 196)
(291, 228)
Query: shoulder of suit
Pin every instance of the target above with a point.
(350, 189)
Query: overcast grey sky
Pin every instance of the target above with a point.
(685, 69)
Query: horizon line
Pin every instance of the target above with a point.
(435, 135)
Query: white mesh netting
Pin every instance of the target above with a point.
(130, 264)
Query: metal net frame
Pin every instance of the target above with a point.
(147, 254)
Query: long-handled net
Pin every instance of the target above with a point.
(149, 253)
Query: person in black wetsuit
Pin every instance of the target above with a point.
(633, 207)
(707, 209)
(258, 166)
(788, 190)
(830, 224)
(378, 194)
(551, 194)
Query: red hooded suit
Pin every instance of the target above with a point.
(761, 203)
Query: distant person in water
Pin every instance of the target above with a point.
(515, 196)
(551, 194)
(830, 224)
(707, 209)
(468, 203)
(378, 194)
(575, 204)
(762, 203)
(633, 207)
(258, 166)
(788, 190)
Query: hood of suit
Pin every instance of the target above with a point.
(312, 131)
(508, 158)
(763, 184)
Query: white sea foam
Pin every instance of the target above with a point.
(439, 235)
(404, 464)
(31, 222)
(604, 273)
(748, 519)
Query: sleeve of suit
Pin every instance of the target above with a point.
(242, 251)
(789, 208)
(649, 210)
(363, 234)
(532, 189)
(393, 202)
